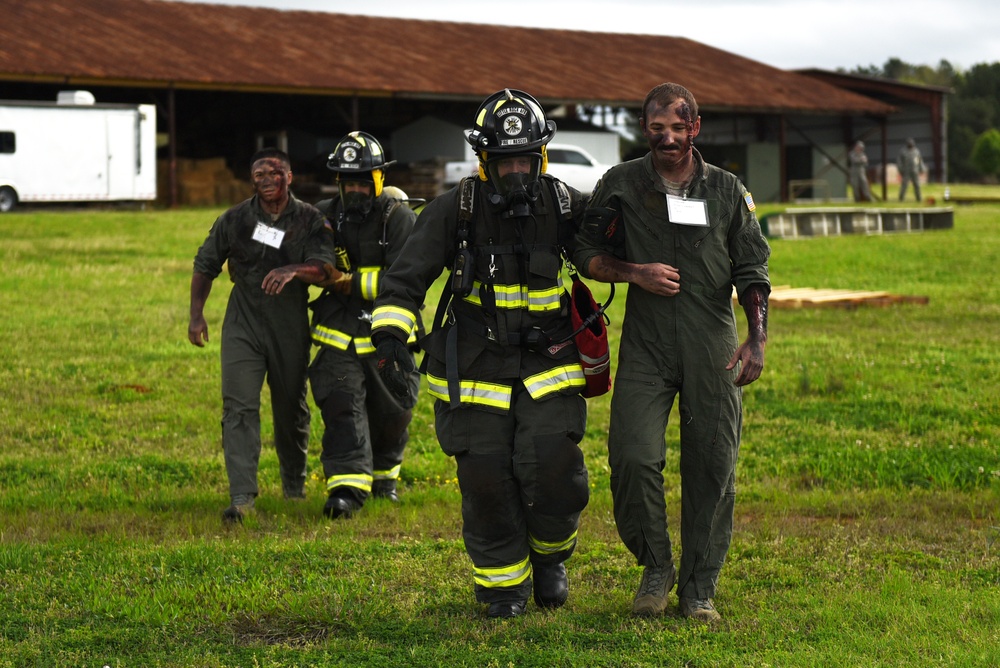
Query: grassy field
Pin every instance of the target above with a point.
(868, 513)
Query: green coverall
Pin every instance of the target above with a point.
(366, 425)
(678, 345)
(264, 336)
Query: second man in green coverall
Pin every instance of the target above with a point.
(682, 233)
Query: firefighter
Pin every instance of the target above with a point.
(500, 361)
(274, 245)
(366, 426)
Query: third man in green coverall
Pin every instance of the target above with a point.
(682, 233)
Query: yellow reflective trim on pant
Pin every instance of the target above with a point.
(391, 474)
(362, 481)
(334, 338)
(554, 380)
(474, 392)
(369, 278)
(504, 576)
(393, 316)
(520, 297)
(542, 547)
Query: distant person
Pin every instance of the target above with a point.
(911, 166)
(684, 235)
(275, 246)
(857, 161)
(366, 426)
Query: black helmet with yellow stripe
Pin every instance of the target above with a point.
(510, 122)
(511, 125)
(359, 157)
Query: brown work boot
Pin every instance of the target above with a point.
(651, 599)
(241, 505)
(700, 609)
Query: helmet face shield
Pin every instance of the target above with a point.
(356, 195)
(513, 173)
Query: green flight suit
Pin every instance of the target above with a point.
(366, 426)
(264, 336)
(678, 345)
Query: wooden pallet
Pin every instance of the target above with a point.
(784, 296)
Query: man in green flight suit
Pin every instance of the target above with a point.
(275, 246)
(366, 425)
(683, 233)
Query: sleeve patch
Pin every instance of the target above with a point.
(748, 198)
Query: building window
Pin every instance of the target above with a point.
(7, 143)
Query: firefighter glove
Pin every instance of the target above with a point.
(395, 364)
(342, 285)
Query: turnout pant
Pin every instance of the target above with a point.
(524, 484)
(366, 427)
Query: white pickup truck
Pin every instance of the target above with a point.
(570, 164)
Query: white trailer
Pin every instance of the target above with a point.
(74, 150)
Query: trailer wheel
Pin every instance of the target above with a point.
(8, 199)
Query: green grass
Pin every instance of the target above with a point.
(867, 516)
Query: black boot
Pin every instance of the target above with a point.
(385, 489)
(340, 506)
(551, 586)
(506, 609)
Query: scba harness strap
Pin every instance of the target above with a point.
(588, 320)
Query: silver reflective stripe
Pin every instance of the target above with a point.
(473, 392)
(542, 547)
(360, 480)
(393, 316)
(504, 576)
(369, 284)
(554, 380)
(330, 337)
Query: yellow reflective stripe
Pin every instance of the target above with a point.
(554, 380)
(362, 481)
(510, 296)
(504, 576)
(473, 297)
(519, 297)
(472, 392)
(542, 547)
(363, 346)
(393, 316)
(330, 337)
(545, 300)
(369, 278)
(391, 474)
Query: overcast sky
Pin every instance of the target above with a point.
(789, 34)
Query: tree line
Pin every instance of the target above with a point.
(973, 112)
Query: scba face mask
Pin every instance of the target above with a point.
(357, 205)
(516, 182)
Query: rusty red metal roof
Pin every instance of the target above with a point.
(159, 43)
